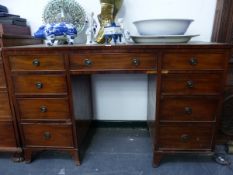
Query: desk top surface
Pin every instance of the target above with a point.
(123, 46)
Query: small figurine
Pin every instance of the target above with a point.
(126, 34)
(61, 32)
(91, 30)
(112, 31)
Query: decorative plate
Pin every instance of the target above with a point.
(73, 13)
(162, 38)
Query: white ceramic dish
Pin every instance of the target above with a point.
(162, 38)
(162, 26)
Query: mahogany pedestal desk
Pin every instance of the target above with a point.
(9, 138)
(50, 88)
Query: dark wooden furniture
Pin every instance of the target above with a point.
(9, 140)
(223, 32)
(9, 137)
(51, 92)
(223, 22)
(9, 29)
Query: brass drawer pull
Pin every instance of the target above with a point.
(47, 135)
(185, 138)
(36, 62)
(190, 84)
(193, 61)
(43, 109)
(39, 85)
(188, 110)
(136, 61)
(87, 62)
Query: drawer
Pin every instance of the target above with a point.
(192, 83)
(113, 61)
(7, 136)
(193, 61)
(43, 108)
(185, 137)
(48, 135)
(5, 111)
(2, 76)
(36, 62)
(175, 108)
(39, 84)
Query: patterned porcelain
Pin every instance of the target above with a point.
(60, 32)
(63, 20)
(73, 13)
(114, 32)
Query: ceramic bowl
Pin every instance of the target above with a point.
(162, 26)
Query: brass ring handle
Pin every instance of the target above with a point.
(188, 110)
(190, 84)
(87, 62)
(39, 85)
(136, 61)
(193, 61)
(185, 138)
(36, 62)
(47, 135)
(43, 109)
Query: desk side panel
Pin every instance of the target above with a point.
(151, 107)
(82, 104)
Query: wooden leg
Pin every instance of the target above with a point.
(17, 157)
(27, 155)
(156, 159)
(76, 157)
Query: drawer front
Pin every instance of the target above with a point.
(2, 76)
(5, 111)
(47, 135)
(42, 109)
(192, 83)
(192, 61)
(188, 108)
(39, 84)
(7, 136)
(36, 62)
(113, 61)
(186, 137)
